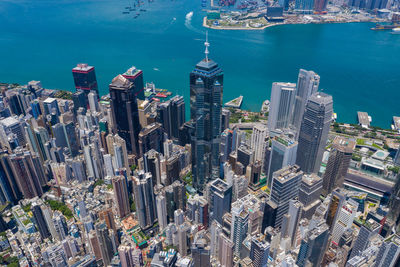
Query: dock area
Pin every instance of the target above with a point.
(396, 123)
(364, 119)
(235, 103)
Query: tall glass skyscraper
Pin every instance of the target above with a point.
(206, 86)
(125, 115)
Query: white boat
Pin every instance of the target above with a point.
(396, 30)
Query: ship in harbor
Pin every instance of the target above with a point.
(396, 30)
(382, 27)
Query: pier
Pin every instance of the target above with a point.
(235, 103)
(363, 119)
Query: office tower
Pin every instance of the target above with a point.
(183, 241)
(104, 240)
(338, 163)
(151, 137)
(258, 137)
(294, 214)
(226, 116)
(12, 126)
(320, 5)
(93, 100)
(337, 200)
(178, 217)
(72, 139)
(135, 76)
(313, 246)
(175, 195)
(220, 197)
(172, 170)
(200, 249)
(283, 153)
(281, 107)
(226, 144)
(345, 218)
(388, 253)
(225, 251)
(8, 183)
(107, 216)
(151, 163)
(171, 114)
(60, 225)
(197, 209)
(367, 231)
(124, 111)
(245, 156)
(206, 87)
(307, 84)
(28, 171)
(253, 174)
(144, 199)
(285, 186)
(309, 193)
(240, 218)
(314, 132)
(126, 254)
(85, 78)
(161, 211)
(40, 221)
(259, 251)
(121, 196)
(79, 100)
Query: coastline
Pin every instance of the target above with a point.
(278, 24)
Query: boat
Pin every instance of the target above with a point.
(143, 10)
(396, 30)
(161, 95)
(125, 12)
(137, 15)
(127, 7)
(380, 27)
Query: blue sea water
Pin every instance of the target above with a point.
(44, 39)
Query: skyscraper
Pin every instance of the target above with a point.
(313, 246)
(259, 251)
(394, 203)
(124, 110)
(314, 132)
(121, 196)
(309, 193)
(40, 221)
(171, 114)
(281, 107)
(220, 198)
(258, 141)
(225, 251)
(367, 231)
(28, 172)
(135, 76)
(338, 163)
(161, 211)
(85, 78)
(285, 186)
(206, 87)
(151, 137)
(144, 199)
(307, 84)
(240, 219)
(388, 253)
(283, 153)
(344, 221)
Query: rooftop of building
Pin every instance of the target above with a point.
(311, 179)
(9, 122)
(344, 144)
(82, 67)
(287, 173)
(132, 71)
(120, 82)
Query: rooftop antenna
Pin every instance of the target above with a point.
(206, 44)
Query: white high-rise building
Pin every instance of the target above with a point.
(93, 102)
(258, 141)
(344, 219)
(240, 218)
(108, 165)
(307, 84)
(281, 107)
(161, 211)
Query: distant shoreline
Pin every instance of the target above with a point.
(276, 24)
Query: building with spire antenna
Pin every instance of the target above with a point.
(206, 88)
